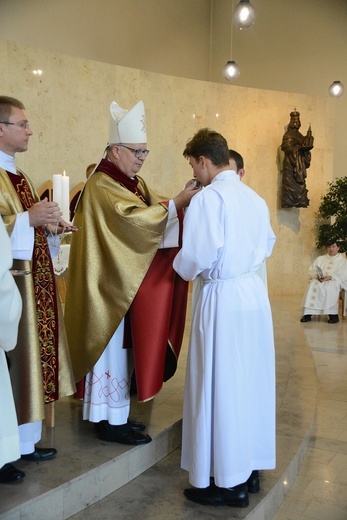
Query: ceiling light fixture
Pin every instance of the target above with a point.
(231, 70)
(244, 14)
(336, 89)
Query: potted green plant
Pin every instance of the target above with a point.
(332, 215)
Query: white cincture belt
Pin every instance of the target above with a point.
(220, 280)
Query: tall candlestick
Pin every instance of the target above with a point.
(61, 194)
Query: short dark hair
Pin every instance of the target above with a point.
(233, 154)
(210, 144)
(331, 242)
(6, 104)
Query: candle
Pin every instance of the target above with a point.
(65, 197)
(61, 194)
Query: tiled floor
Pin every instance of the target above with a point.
(319, 491)
(320, 488)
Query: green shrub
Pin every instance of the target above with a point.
(332, 215)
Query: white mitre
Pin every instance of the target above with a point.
(127, 126)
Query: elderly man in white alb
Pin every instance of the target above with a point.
(328, 275)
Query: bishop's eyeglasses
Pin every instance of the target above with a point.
(138, 153)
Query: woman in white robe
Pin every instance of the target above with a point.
(229, 401)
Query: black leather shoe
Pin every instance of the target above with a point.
(8, 474)
(306, 317)
(253, 482)
(216, 496)
(40, 454)
(333, 318)
(137, 426)
(123, 434)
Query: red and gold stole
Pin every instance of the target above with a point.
(45, 296)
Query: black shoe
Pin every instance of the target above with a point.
(40, 454)
(123, 434)
(253, 482)
(333, 318)
(306, 317)
(216, 496)
(137, 426)
(8, 474)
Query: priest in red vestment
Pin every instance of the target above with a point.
(125, 305)
(40, 366)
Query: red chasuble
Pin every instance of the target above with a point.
(154, 323)
(45, 296)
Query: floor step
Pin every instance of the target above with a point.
(95, 479)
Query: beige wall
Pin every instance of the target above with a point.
(294, 46)
(68, 111)
(167, 36)
(294, 51)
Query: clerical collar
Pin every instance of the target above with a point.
(116, 173)
(7, 162)
(132, 178)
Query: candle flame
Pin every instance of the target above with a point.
(64, 173)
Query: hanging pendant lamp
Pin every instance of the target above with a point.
(336, 89)
(244, 14)
(231, 70)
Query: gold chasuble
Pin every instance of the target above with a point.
(40, 366)
(116, 271)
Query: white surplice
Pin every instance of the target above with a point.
(323, 297)
(229, 400)
(10, 312)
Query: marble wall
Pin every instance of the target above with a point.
(68, 110)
